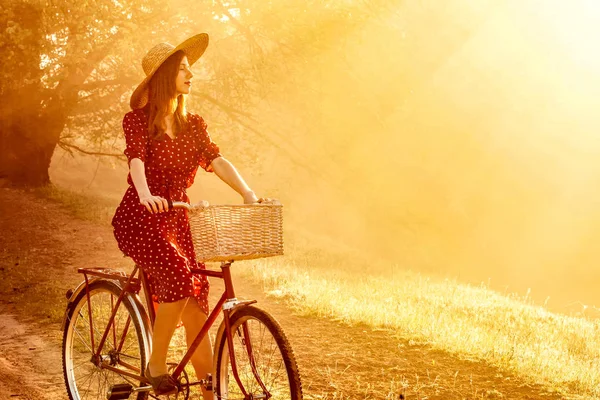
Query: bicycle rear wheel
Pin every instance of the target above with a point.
(272, 354)
(126, 346)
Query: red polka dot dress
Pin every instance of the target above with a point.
(161, 243)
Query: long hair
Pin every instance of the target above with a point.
(163, 98)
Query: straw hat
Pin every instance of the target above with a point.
(193, 48)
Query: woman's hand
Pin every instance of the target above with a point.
(154, 204)
(250, 198)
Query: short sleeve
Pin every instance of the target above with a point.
(136, 137)
(208, 150)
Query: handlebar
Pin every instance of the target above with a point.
(204, 204)
(180, 204)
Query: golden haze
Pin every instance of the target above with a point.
(432, 138)
(464, 143)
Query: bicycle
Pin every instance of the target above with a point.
(107, 339)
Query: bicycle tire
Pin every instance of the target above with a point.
(83, 380)
(268, 339)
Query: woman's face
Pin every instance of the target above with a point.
(183, 82)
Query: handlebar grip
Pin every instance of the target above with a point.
(179, 204)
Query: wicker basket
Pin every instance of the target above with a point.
(237, 232)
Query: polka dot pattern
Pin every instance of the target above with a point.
(161, 244)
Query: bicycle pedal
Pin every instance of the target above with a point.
(119, 391)
(207, 383)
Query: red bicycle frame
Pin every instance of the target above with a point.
(227, 303)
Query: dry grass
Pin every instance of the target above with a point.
(33, 273)
(81, 204)
(22, 287)
(557, 351)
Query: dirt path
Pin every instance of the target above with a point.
(42, 244)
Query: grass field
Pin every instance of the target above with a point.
(507, 331)
(82, 204)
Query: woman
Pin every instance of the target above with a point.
(165, 146)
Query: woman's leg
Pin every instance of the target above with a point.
(168, 316)
(193, 318)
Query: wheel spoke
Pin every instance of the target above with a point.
(83, 341)
(79, 364)
(86, 378)
(128, 356)
(85, 321)
(90, 382)
(275, 377)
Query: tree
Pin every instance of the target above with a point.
(66, 68)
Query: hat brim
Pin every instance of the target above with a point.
(193, 48)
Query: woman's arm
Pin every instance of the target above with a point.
(138, 176)
(228, 174)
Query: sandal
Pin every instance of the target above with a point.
(161, 384)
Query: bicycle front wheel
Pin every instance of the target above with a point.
(125, 348)
(264, 358)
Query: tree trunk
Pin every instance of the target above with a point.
(29, 133)
(25, 152)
